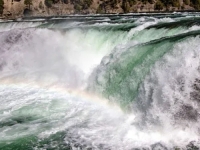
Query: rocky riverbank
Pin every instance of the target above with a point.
(20, 8)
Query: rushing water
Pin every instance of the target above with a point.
(102, 82)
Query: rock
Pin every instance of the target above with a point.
(27, 12)
(16, 8)
(158, 146)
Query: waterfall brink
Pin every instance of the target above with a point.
(101, 82)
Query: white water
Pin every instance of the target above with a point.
(6, 26)
(43, 75)
(53, 57)
(169, 100)
(176, 73)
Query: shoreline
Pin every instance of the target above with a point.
(43, 8)
(109, 14)
(75, 15)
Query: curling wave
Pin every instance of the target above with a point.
(100, 82)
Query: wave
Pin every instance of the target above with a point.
(100, 82)
(131, 63)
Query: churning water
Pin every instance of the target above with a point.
(102, 82)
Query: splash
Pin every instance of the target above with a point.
(102, 82)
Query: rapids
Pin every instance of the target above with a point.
(100, 82)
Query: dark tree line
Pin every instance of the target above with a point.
(78, 4)
(160, 4)
(81, 4)
(125, 4)
(1, 6)
(28, 3)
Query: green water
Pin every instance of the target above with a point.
(100, 82)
